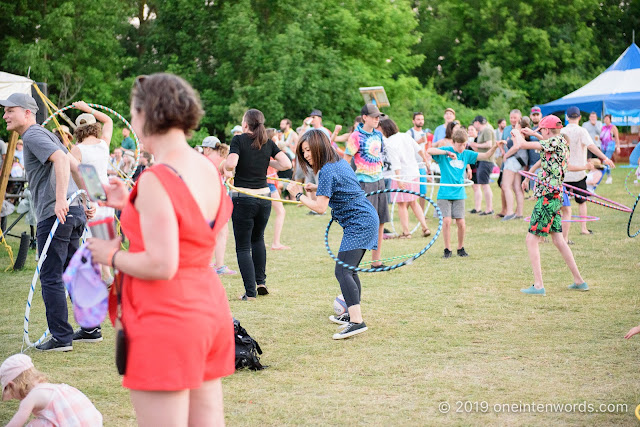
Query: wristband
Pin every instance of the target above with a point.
(112, 257)
(298, 196)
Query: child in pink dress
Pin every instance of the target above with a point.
(50, 404)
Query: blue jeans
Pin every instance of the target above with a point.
(64, 244)
(250, 216)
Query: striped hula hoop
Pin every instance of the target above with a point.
(631, 217)
(412, 258)
(43, 255)
(426, 211)
(231, 187)
(587, 195)
(406, 178)
(115, 113)
(626, 186)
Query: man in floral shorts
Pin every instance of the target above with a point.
(546, 218)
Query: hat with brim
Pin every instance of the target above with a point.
(85, 119)
(370, 110)
(12, 367)
(210, 142)
(550, 122)
(236, 128)
(21, 100)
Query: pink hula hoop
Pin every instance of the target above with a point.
(566, 188)
(581, 218)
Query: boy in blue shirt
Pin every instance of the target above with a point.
(453, 162)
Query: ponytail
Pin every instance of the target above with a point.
(255, 122)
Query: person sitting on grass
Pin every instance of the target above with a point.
(453, 162)
(546, 217)
(338, 187)
(50, 404)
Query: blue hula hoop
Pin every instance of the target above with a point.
(631, 217)
(400, 264)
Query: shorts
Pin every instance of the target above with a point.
(512, 164)
(405, 197)
(379, 201)
(582, 184)
(423, 181)
(272, 188)
(452, 208)
(546, 217)
(565, 199)
(484, 172)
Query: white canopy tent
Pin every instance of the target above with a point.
(11, 83)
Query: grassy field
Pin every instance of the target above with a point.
(454, 332)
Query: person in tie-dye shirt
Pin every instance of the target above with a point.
(546, 218)
(366, 147)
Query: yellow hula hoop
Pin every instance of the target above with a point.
(257, 196)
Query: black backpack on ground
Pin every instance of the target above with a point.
(247, 349)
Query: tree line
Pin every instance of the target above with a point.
(287, 57)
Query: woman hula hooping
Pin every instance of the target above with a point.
(338, 188)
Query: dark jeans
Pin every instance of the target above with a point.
(250, 216)
(64, 244)
(348, 279)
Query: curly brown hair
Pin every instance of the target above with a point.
(167, 102)
(27, 380)
(85, 131)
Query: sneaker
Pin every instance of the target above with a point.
(343, 319)
(88, 335)
(486, 213)
(609, 180)
(532, 290)
(384, 230)
(262, 290)
(54, 345)
(474, 211)
(462, 252)
(224, 270)
(581, 287)
(245, 297)
(447, 254)
(508, 217)
(350, 330)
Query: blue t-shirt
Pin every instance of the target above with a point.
(349, 207)
(453, 172)
(439, 133)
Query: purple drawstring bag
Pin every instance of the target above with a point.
(88, 292)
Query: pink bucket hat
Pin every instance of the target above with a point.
(88, 292)
(12, 367)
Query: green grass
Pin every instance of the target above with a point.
(440, 331)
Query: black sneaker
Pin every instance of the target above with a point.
(462, 252)
(343, 319)
(54, 345)
(350, 330)
(88, 335)
(447, 254)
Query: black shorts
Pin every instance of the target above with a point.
(484, 172)
(582, 184)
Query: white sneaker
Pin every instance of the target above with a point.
(609, 180)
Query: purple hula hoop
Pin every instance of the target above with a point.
(609, 203)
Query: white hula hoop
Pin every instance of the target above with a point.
(407, 179)
(36, 275)
(426, 210)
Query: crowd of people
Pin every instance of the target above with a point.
(175, 311)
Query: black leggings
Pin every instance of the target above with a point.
(348, 279)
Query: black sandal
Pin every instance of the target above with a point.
(262, 290)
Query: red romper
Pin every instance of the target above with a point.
(179, 331)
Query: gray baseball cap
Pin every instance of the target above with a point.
(210, 141)
(21, 100)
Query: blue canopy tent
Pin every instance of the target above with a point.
(616, 91)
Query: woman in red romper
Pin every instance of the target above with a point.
(174, 309)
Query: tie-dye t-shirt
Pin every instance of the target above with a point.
(366, 148)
